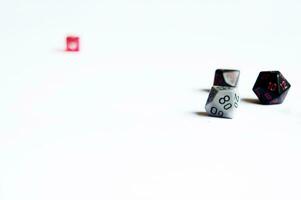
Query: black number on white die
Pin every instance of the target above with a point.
(214, 111)
(225, 99)
(236, 101)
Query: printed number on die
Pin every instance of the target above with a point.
(225, 99)
(214, 111)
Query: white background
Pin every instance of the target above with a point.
(124, 118)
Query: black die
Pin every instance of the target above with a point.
(271, 87)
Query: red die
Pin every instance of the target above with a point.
(72, 43)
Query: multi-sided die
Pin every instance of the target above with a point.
(72, 43)
(222, 101)
(271, 87)
(226, 77)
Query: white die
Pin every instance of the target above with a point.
(222, 101)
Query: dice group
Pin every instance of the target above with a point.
(270, 87)
(223, 97)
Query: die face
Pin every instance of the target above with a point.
(280, 98)
(222, 102)
(72, 43)
(226, 77)
(267, 81)
(284, 85)
(212, 95)
(271, 87)
(265, 96)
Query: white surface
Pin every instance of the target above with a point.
(118, 120)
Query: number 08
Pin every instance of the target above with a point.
(225, 99)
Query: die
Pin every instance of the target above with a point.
(271, 87)
(72, 43)
(226, 77)
(222, 101)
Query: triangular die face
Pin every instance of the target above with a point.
(264, 78)
(283, 84)
(264, 96)
(279, 99)
(268, 82)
